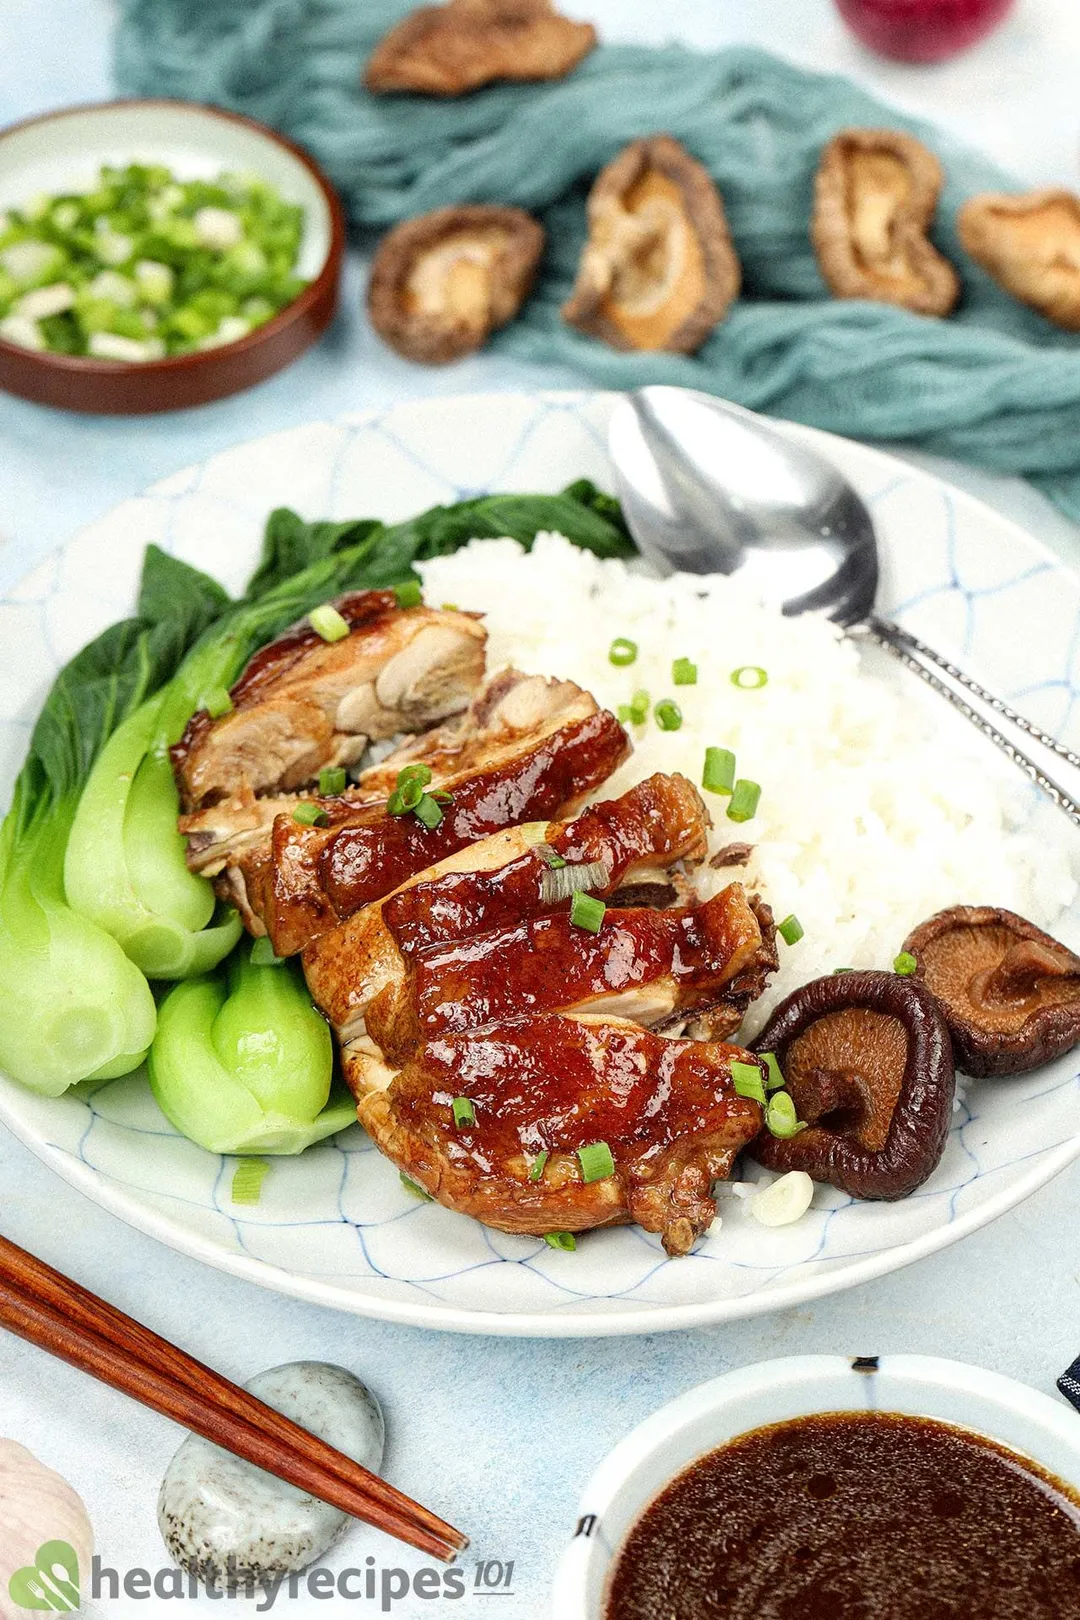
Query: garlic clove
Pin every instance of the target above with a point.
(783, 1201)
(46, 1539)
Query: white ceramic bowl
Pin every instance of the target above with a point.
(1043, 1429)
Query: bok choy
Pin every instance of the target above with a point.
(242, 1062)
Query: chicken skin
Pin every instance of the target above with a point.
(643, 964)
(539, 1090)
(532, 748)
(495, 883)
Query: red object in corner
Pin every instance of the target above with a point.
(922, 30)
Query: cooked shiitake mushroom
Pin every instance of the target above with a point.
(448, 50)
(874, 200)
(868, 1064)
(1010, 993)
(658, 270)
(1031, 246)
(441, 284)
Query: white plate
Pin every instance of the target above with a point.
(335, 1226)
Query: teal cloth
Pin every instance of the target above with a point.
(995, 384)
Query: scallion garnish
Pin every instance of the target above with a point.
(622, 652)
(781, 1118)
(428, 812)
(408, 593)
(774, 1079)
(684, 672)
(744, 800)
(410, 1186)
(587, 912)
(310, 815)
(247, 1181)
(746, 1078)
(596, 1162)
(625, 714)
(328, 623)
(536, 1169)
(464, 1112)
(668, 715)
(749, 677)
(719, 773)
(262, 954)
(550, 857)
(218, 702)
(572, 878)
(790, 930)
(560, 1240)
(639, 706)
(331, 780)
(905, 964)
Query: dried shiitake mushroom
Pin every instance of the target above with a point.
(874, 200)
(658, 270)
(1010, 993)
(1031, 246)
(448, 50)
(443, 282)
(868, 1064)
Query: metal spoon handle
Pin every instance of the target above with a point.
(990, 714)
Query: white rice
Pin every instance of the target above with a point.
(877, 808)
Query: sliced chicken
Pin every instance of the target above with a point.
(304, 703)
(539, 1090)
(495, 881)
(529, 748)
(643, 964)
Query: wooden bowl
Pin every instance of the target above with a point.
(64, 150)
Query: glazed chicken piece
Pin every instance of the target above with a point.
(529, 748)
(304, 703)
(651, 966)
(497, 882)
(541, 1089)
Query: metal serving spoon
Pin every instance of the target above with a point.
(708, 488)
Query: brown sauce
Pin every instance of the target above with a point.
(854, 1516)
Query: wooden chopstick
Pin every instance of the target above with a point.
(55, 1313)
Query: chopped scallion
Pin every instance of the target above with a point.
(790, 930)
(746, 1078)
(218, 702)
(550, 857)
(410, 1186)
(744, 800)
(536, 1169)
(574, 878)
(781, 1118)
(464, 1112)
(639, 706)
(625, 714)
(587, 912)
(668, 715)
(331, 781)
(560, 1240)
(905, 964)
(749, 677)
(774, 1080)
(719, 773)
(310, 815)
(408, 593)
(428, 812)
(596, 1162)
(684, 672)
(622, 652)
(328, 623)
(262, 954)
(247, 1181)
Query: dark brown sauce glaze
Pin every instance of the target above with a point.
(854, 1516)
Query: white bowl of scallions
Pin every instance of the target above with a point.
(158, 254)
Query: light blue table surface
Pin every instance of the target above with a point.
(499, 1434)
